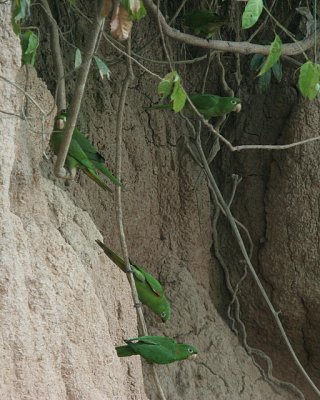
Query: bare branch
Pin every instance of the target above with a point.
(274, 146)
(57, 57)
(59, 170)
(130, 57)
(176, 62)
(288, 49)
(163, 39)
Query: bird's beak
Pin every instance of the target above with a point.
(237, 108)
(60, 124)
(193, 356)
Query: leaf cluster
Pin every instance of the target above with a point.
(28, 39)
(309, 76)
(201, 22)
(171, 86)
(101, 65)
(268, 66)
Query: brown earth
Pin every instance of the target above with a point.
(64, 306)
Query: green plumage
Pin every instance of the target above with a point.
(210, 105)
(156, 349)
(149, 289)
(82, 154)
(203, 23)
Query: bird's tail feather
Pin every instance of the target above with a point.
(96, 179)
(124, 351)
(113, 256)
(102, 168)
(161, 107)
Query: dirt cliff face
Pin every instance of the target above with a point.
(64, 306)
(61, 313)
(278, 200)
(290, 256)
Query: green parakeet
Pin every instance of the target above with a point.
(210, 105)
(149, 289)
(203, 22)
(157, 349)
(81, 154)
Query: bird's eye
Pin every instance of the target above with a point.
(190, 350)
(233, 102)
(163, 314)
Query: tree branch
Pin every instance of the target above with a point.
(57, 57)
(288, 49)
(59, 170)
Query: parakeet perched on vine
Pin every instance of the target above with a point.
(210, 105)
(203, 22)
(157, 349)
(82, 154)
(149, 289)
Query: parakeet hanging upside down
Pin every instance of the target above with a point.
(157, 349)
(149, 289)
(81, 155)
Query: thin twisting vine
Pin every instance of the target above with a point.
(57, 59)
(245, 254)
(224, 206)
(236, 320)
(119, 212)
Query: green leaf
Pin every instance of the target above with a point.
(77, 59)
(20, 10)
(135, 9)
(166, 85)
(277, 71)
(251, 13)
(103, 68)
(178, 96)
(171, 86)
(309, 80)
(29, 45)
(15, 26)
(273, 56)
(256, 62)
(264, 81)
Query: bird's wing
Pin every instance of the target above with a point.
(102, 168)
(152, 340)
(76, 151)
(113, 256)
(87, 147)
(153, 283)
